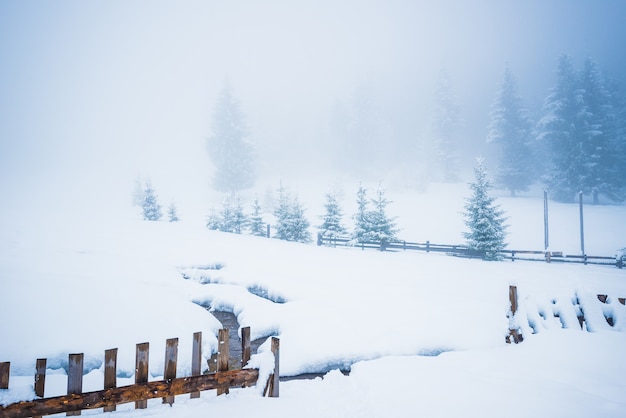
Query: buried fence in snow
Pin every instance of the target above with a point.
(464, 251)
(142, 390)
(594, 313)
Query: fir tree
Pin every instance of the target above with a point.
(291, 222)
(214, 222)
(560, 128)
(229, 148)
(484, 218)
(331, 226)
(381, 228)
(361, 217)
(150, 205)
(281, 213)
(257, 227)
(510, 129)
(233, 218)
(172, 213)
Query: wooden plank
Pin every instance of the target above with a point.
(603, 298)
(272, 388)
(513, 298)
(75, 377)
(196, 359)
(110, 373)
(5, 368)
(141, 370)
(622, 301)
(40, 377)
(171, 357)
(246, 349)
(132, 393)
(223, 353)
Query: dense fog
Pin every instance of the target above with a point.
(94, 95)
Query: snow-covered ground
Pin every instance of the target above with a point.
(422, 334)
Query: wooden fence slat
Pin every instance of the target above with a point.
(246, 349)
(272, 388)
(141, 370)
(171, 357)
(5, 368)
(110, 373)
(75, 377)
(223, 353)
(40, 377)
(131, 393)
(196, 359)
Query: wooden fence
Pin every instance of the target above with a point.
(464, 251)
(515, 333)
(76, 400)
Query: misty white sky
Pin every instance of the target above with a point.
(94, 93)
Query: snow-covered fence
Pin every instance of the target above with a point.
(142, 390)
(585, 311)
(464, 251)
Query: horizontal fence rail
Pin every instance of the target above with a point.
(464, 251)
(143, 390)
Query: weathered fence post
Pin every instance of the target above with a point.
(5, 368)
(75, 377)
(272, 388)
(141, 370)
(427, 246)
(196, 360)
(246, 350)
(514, 333)
(40, 379)
(110, 373)
(171, 357)
(222, 355)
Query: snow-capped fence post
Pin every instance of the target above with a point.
(246, 348)
(40, 379)
(110, 373)
(75, 378)
(222, 355)
(196, 360)
(141, 370)
(169, 372)
(514, 333)
(272, 387)
(5, 368)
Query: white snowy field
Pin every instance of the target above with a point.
(420, 333)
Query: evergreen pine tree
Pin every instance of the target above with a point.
(291, 223)
(361, 217)
(560, 128)
(138, 192)
(233, 218)
(297, 224)
(381, 228)
(331, 226)
(510, 128)
(281, 213)
(229, 148)
(150, 205)
(599, 131)
(257, 226)
(214, 222)
(172, 213)
(484, 218)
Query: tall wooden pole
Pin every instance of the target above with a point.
(546, 235)
(582, 229)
